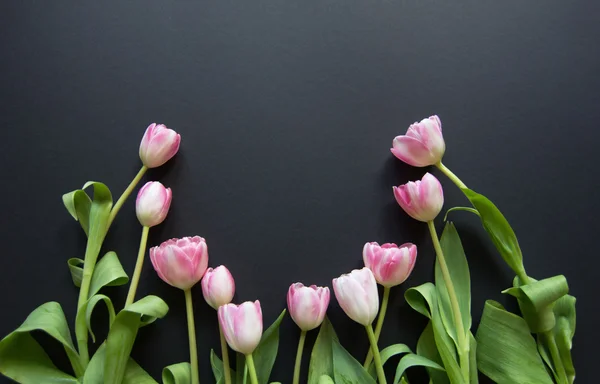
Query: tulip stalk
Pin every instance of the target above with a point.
(463, 346)
(225, 356)
(446, 171)
(251, 369)
(117, 207)
(299, 357)
(135, 279)
(379, 325)
(376, 355)
(189, 307)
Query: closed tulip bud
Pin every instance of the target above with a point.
(307, 305)
(423, 143)
(158, 145)
(421, 199)
(242, 325)
(152, 204)
(357, 294)
(391, 265)
(218, 286)
(180, 262)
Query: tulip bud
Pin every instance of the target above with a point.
(307, 305)
(242, 325)
(158, 145)
(391, 265)
(152, 204)
(357, 294)
(421, 199)
(423, 143)
(180, 262)
(218, 286)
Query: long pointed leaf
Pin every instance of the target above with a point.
(321, 357)
(265, 354)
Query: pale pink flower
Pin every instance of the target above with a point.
(307, 305)
(158, 145)
(180, 262)
(423, 143)
(242, 325)
(422, 199)
(357, 294)
(218, 286)
(391, 265)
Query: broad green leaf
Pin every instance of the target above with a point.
(346, 369)
(500, 231)
(24, 360)
(264, 355)
(424, 299)
(386, 354)
(412, 360)
(123, 332)
(537, 299)
(325, 380)
(76, 269)
(458, 268)
(426, 347)
(506, 350)
(180, 373)
(564, 310)
(89, 309)
(217, 368)
(134, 374)
(321, 357)
(108, 273)
(78, 203)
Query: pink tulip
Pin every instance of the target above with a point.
(391, 265)
(180, 262)
(307, 305)
(421, 199)
(423, 143)
(158, 145)
(218, 286)
(152, 204)
(357, 294)
(242, 325)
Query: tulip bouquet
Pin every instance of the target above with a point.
(531, 347)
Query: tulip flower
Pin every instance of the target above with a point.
(152, 204)
(158, 145)
(218, 286)
(180, 262)
(422, 145)
(421, 199)
(391, 265)
(242, 326)
(307, 306)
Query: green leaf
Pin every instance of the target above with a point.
(108, 273)
(217, 368)
(386, 354)
(564, 311)
(180, 373)
(24, 360)
(76, 269)
(89, 309)
(241, 369)
(123, 332)
(346, 369)
(461, 279)
(264, 355)
(500, 231)
(321, 357)
(506, 350)
(537, 299)
(78, 203)
(412, 360)
(474, 377)
(426, 347)
(134, 374)
(424, 300)
(325, 380)
(468, 209)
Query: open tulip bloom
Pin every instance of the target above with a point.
(531, 346)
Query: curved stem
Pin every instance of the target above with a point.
(299, 357)
(376, 356)
(379, 326)
(559, 369)
(251, 369)
(451, 175)
(463, 346)
(192, 336)
(126, 193)
(135, 279)
(225, 356)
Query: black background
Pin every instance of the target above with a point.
(287, 110)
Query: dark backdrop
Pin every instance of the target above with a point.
(287, 110)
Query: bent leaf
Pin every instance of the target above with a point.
(412, 360)
(564, 311)
(134, 374)
(321, 357)
(346, 369)
(24, 360)
(180, 373)
(217, 368)
(108, 273)
(89, 309)
(264, 355)
(426, 347)
(386, 354)
(78, 203)
(506, 350)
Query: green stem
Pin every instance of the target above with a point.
(376, 356)
(463, 346)
(299, 357)
(126, 193)
(446, 171)
(135, 279)
(225, 356)
(559, 369)
(379, 326)
(192, 336)
(251, 369)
